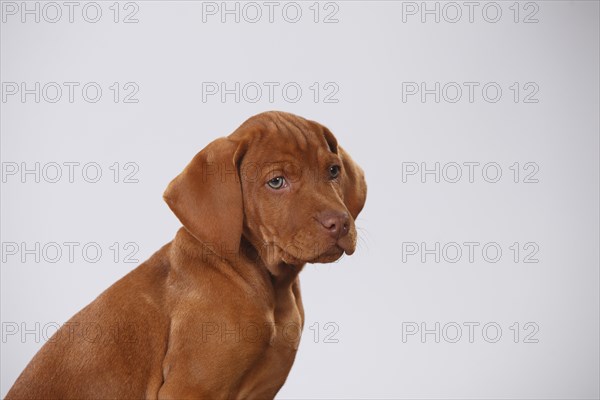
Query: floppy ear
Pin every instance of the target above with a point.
(207, 196)
(354, 186)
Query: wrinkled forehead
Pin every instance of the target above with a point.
(288, 139)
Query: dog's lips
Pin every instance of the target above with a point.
(330, 255)
(329, 251)
(347, 245)
(336, 250)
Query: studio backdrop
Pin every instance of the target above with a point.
(476, 123)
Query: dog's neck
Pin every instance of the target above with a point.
(281, 273)
(247, 261)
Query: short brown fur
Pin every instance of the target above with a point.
(217, 312)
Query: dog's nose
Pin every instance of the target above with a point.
(335, 222)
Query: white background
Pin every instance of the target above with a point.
(370, 297)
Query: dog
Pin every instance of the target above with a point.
(217, 312)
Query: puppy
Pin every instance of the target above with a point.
(216, 313)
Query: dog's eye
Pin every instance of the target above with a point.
(334, 171)
(277, 183)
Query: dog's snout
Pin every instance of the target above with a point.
(336, 223)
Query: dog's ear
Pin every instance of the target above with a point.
(354, 186)
(207, 196)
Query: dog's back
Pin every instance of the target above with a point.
(104, 351)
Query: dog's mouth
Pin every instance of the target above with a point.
(322, 254)
(334, 253)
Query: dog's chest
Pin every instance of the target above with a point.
(288, 321)
(284, 326)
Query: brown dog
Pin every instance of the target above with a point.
(217, 312)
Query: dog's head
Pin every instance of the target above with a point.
(280, 182)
